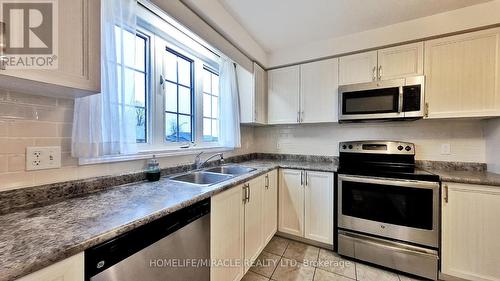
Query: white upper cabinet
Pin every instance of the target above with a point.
(319, 91)
(252, 88)
(304, 94)
(470, 231)
(260, 84)
(358, 68)
(401, 61)
(462, 75)
(283, 95)
(384, 64)
(79, 62)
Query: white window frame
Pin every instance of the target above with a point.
(156, 26)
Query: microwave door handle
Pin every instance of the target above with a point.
(400, 102)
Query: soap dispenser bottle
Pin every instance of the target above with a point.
(153, 170)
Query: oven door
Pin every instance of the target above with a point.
(404, 210)
(376, 100)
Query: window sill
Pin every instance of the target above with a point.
(148, 154)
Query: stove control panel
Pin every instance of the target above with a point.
(378, 147)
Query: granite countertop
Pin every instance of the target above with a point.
(34, 238)
(469, 177)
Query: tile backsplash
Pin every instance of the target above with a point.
(30, 120)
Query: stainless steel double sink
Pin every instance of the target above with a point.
(213, 175)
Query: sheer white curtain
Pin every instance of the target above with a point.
(230, 135)
(105, 124)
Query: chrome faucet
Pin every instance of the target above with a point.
(197, 160)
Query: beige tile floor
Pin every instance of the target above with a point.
(287, 260)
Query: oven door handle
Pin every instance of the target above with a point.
(393, 182)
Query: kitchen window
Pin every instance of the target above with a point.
(164, 98)
(210, 105)
(178, 97)
(136, 70)
(182, 107)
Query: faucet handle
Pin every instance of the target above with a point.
(199, 154)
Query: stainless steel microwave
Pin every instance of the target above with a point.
(382, 100)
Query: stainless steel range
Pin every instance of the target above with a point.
(388, 210)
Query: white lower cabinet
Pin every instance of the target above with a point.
(227, 226)
(470, 231)
(240, 226)
(318, 205)
(254, 242)
(70, 269)
(291, 202)
(306, 204)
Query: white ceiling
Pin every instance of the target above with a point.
(277, 24)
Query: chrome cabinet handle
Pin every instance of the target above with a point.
(298, 116)
(445, 193)
(379, 72)
(307, 175)
(267, 181)
(374, 73)
(301, 177)
(302, 117)
(246, 193)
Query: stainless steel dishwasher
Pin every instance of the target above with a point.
(175, 247)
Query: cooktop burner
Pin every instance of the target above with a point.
(385, 159)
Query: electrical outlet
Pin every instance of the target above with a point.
(445, 149)
(41, 158)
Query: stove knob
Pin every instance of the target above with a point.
(350, 146)
(408, 148)
(344, 146)
(400, 147)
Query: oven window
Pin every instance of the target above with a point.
(371, 101)
(411, 207)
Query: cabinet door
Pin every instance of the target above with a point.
(401, 61)
(270, 209)
(246, 94)
(78, 49)
(70, 269)
(358, 68)
(470, 231)
(283, 95)
(254, 242)
(319, 207)
(319, 91)
(291, 202)
(462, 75)
(260, 85)
(227, 233)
